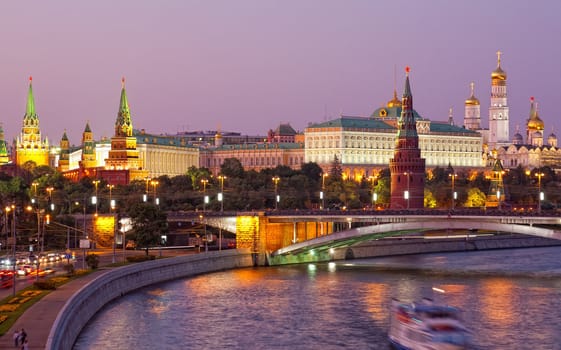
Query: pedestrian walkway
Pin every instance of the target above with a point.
(39, 318)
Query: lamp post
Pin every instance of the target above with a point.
(372, 179)
(111, 207)
(155, 184)
(454, 194)
(322, 193)
(12, 208)
(94, 199)
(407, 194)
(276, 180)
(205, 199)
(221, 194)
(541, 196)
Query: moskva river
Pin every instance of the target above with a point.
(511, 299)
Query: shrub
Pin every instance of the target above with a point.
(92, 260)
(69, 268)
(140, 258)
(45, 284)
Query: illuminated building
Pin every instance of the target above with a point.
(364, 145)
(4, 159)
(64, 160)
(257, 156)
(407, 168)
(498, 110)
(29, 145)
(88, 156)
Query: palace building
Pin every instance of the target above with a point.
(364, 145)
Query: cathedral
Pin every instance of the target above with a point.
(528, 152)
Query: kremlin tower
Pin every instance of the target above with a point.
(88, 149)
(123, 163)
(123, 154)
(407, 167)
(498, 110)
(29, 146)
(64, 160)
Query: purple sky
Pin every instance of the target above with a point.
(248, 65)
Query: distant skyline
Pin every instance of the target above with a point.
(249, 65)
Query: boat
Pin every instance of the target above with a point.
(426, 325)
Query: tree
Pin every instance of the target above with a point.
(232, 168)
(149, 223)
(475, 198)
(336, 171)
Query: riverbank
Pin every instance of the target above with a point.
(406, 246)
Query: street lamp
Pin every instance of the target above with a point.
(12, 208)
(205, 199)
(372, 179)
(322, 193)
(34, 184)
(155, 184)
(454, 194)
(407, 194)
(540, 193)
(111, 208)
(276, 180)
(94, 199)
(221, 194)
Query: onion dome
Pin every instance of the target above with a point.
(498, 73)
(534, 121)
(472, 100)
(394, 102)
(517, 139)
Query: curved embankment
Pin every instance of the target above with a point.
(83, 305)
(389, 247)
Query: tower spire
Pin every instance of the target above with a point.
(123, 125)
(30, 108)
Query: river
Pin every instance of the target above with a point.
(511, 299)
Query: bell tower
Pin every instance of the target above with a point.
(498, 111)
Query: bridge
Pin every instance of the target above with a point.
(315, 235)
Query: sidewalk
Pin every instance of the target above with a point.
(39, 318)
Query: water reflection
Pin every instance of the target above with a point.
(331, 307)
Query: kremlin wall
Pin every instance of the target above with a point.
(394, 135)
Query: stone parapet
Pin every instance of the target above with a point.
(83, 305)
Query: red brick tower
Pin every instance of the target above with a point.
(407, 167)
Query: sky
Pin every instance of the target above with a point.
(249, 65)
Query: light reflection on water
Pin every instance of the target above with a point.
(336, 307)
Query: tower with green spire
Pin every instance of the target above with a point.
(124, 154)
(64, 160)
(4, 159)
(407, 168)
(88, 149)
(29, 146)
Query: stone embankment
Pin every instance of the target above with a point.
(84, 304)
(395, 246)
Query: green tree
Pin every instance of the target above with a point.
(149, 223)
(475, 198)
(232, 168)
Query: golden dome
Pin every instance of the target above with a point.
(472, 100)
(535, 124)
(498, 73)
(394, 102)
(534, 121)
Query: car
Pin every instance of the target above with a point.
(24, 270)
(52, 257)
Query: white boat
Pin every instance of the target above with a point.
(426, 326)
